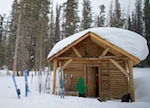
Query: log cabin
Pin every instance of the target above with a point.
(89, 55)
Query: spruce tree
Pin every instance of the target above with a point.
(110, 15)
(133, 21)
(71, 17)
(139, 22)
(1, 41)
(57, 25)
(63, 25)
(146, 18)
(86, 15)
(12, 36)
(51, 28)
(118, 21)
(101, 16)
(4, 42)
(129, 24)
(33, 40)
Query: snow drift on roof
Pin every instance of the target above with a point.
(129, 41)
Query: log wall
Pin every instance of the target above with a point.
(113, 83)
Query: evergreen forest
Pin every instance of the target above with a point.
(35, 26)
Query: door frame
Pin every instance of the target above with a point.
(99, 76)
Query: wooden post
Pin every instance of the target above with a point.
(54, 70)
(131, 80)
(128, 80)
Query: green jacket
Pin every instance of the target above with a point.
(81, 87)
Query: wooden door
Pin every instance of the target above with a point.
(91, 81)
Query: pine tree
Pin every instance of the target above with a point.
(71, 17)
(118, 21)
(4, 43)
(51, 28)
(146, 18)
(139, 22)
(33, 39)
(133, 22)
(63, 25)
(57, 25)
(124, 18)
(12, 36)
(43, 28)
(110, 16)
(95, 20)
(129, 24)
(101, 16)
(1, 41)
(86, 15)
(126, 22)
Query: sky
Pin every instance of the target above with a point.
(5, 5)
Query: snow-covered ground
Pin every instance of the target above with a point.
(8, 96)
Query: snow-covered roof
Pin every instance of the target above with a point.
(129, 41)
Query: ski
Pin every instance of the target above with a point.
(40, 81)
(46, 83)
(69, 85)
(58, 69)
(31, 81)
(65, 79)
(26, 83)
(57, 84)
(17, 90)
(63, 89)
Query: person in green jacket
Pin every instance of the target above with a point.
(81, 87)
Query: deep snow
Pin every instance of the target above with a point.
(129, 41)
(8, 96)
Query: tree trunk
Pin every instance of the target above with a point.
(17, 39)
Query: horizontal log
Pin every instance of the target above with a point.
(104, 71)
(121, 86)
(113, 78)
(118, 84)
(75, 70)
(116, 73)
(105, 94)
(118, 90)
(124, 86)
(118, 93)
(112, 71)
(117, 79)
(92, 58)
